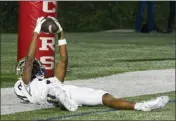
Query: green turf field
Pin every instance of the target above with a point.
(99, 112)
(101, 54)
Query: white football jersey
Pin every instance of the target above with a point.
(36, 91)
(46, 91)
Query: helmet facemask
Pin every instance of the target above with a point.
(39, 73)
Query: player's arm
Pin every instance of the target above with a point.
(29, 60)
(26, 76)
(61, 66)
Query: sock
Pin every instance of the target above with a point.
(137, 106)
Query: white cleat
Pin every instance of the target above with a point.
(159, 102)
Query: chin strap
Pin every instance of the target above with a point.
(40, 77)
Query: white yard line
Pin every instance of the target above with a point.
(120, 85)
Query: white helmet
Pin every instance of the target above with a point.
(18, 91)
(38, 70)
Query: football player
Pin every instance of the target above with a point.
(34, 88)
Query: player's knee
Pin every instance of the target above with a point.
(107, 99)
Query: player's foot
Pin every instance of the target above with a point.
(159, 102)
(66, 101)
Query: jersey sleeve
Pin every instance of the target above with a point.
(24, 90)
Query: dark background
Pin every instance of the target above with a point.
(80, 16)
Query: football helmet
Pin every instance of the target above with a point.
(38, 70)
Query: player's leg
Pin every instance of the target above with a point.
(92, 97)
(110, 101)
(86, 96)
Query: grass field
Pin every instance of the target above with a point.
(99, 112)
(101, 54)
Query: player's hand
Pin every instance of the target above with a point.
(39, 24)
(57, 23)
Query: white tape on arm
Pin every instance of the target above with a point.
(62, 42)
